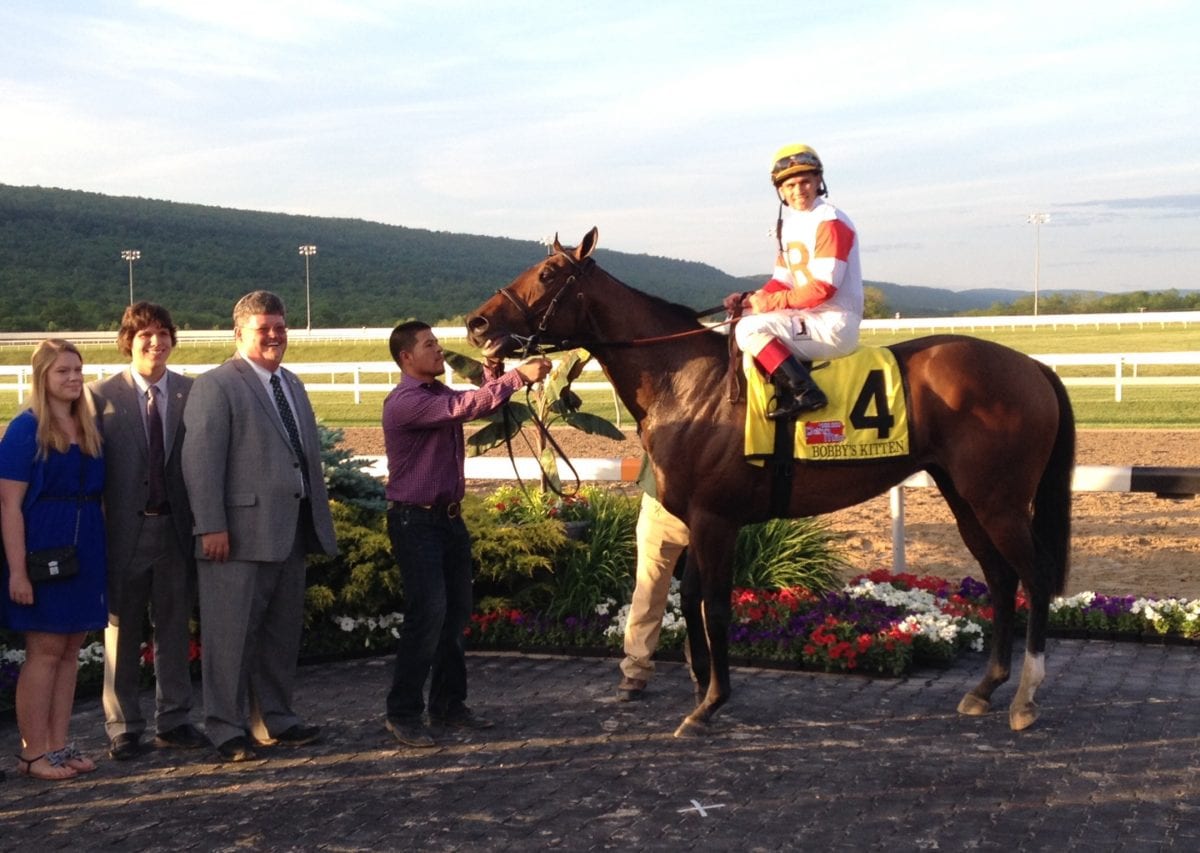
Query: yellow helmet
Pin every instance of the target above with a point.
(792, 160)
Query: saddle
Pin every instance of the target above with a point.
(866, 418)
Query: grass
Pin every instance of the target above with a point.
(1142, 407)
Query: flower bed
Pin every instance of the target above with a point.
(869, 626)
(880, 624)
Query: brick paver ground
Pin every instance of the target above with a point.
(799, 761)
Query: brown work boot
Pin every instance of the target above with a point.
(630, 689)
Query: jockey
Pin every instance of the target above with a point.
(813, 304)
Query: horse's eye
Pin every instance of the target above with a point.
(545, 275)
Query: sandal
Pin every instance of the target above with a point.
(28, 770)
(70, 756)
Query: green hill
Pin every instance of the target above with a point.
(61, 266)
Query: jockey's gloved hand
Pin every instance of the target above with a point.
(734, 301)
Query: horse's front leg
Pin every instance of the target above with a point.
(708, 635)
(695, 649)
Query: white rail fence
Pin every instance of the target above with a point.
(1122, 370)
(922, 325)
(319, 377)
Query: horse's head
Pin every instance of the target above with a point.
(539, 306)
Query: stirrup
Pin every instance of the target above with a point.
(809, 401)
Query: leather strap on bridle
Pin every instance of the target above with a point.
(533, 345)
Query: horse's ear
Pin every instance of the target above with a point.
(558, 247)
(588, 244)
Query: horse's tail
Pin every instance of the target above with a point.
(1052, 503)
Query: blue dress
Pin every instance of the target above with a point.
(74, 604)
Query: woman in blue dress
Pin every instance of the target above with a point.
(51, 478)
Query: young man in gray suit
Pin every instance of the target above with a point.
(252, 463)
(149, 536)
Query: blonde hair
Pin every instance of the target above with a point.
(83, 411)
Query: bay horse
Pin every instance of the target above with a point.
(993, 427)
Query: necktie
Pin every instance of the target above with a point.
(289, 423)
(156, 458)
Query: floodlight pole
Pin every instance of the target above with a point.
(130, 255)
(308, 251)
(1037, 220)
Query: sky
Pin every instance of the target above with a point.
(942, 125)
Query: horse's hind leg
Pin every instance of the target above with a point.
(1023, 712)
(1004, 545)
(1002, 585)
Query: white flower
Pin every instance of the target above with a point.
(925, 616)
(92, 653)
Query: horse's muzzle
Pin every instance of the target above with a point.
(477, 327)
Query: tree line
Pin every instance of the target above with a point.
(61, 268)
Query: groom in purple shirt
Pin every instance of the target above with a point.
(423, 434)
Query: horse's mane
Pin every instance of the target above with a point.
(681, 312)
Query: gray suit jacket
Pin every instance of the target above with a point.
(126, 489)
(241, 472)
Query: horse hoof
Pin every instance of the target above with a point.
(972, 706)
(691, 728)
(1020, 719)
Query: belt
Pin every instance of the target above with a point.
(156, 511)
(450, 510)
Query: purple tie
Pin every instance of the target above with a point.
(156, 460)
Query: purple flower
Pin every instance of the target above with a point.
(972, 589)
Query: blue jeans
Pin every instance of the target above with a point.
(434, 555)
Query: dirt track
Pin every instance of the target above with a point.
(1122, 543)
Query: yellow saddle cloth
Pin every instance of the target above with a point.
(867, 415)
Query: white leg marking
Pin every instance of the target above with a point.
(1034, 671)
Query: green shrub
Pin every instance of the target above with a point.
(784, 553)
(362, 579)
(603, 565)
(511, 559)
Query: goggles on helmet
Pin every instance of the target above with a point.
(802, 161)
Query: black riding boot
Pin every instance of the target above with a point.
(795, 391)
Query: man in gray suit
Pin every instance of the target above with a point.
(149, 536)
(252, 463)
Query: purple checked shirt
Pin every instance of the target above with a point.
(423, 435)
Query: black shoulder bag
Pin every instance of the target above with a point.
(52, 564)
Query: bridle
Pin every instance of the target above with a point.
(533, 344)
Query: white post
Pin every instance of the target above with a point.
(896, 502)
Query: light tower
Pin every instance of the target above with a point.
(1037, 220)
(308, 252)
(130, 255)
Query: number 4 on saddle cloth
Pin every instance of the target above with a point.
(866, 419)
